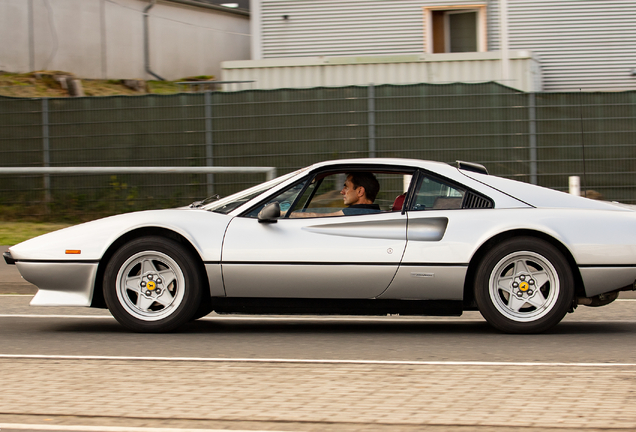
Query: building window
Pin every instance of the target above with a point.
(450, 29)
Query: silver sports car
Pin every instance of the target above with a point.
(352, 237)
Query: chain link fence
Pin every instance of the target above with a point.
(541, 138)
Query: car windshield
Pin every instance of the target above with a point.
(229, 203)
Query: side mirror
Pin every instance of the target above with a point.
(269, 213)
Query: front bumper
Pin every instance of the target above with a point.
(60, 283)
(8, 258)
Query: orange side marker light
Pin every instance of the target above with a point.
(73, 251)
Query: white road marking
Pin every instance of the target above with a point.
(259, 318)
(52, 316)
(402, 319)
(264, 318)
(311, 361)
(51, 427)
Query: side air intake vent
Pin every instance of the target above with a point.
(474, 201)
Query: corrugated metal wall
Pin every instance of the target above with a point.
(334, 27)
(582, 44)
(398, 69)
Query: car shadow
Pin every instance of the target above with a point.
(335, 326)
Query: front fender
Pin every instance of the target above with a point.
(90, 241)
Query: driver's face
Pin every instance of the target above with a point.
(350, 193)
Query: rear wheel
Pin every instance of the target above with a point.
(524, 285)
(152, 285)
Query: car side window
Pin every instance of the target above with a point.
(285, 199)
(434, 194)
(322, 195)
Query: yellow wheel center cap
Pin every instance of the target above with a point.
(524, 286)
(151, 285)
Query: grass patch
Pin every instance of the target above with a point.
(165, 87)
(41, 84)
(15, 232)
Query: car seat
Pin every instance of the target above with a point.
(398, 203)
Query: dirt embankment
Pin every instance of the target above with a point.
(66, 84)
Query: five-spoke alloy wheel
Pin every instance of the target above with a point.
(524, 285)
(152, 285)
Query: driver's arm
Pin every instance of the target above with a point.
(298, 214)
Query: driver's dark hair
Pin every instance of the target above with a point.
(368, 181)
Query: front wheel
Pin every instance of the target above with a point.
(524, 285)
(152, 285)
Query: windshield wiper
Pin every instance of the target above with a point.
(208, 200)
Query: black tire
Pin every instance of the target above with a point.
(151, 284)
(205, 307)
(524, 285)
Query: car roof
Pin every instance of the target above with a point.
(415, 163)
(533, 195)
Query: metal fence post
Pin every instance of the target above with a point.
(532, 136)
(31, 37)
(209, 143)
(46, 154)
(371, 118)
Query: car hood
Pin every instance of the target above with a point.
(203, 229)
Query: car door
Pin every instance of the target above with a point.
(435, 261)
(346, 256)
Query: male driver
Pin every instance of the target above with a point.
(359, 192)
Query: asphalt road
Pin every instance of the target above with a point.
(67, 366)
(589, 335)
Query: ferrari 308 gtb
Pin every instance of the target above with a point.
(430, 239)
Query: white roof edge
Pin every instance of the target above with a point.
(421, 163)
(195, 3)
(374, 59)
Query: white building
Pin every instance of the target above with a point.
(532, 45)
(109, 39)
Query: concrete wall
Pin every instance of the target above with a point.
(104, 38)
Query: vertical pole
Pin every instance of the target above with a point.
(584, 183)
(503, 36)
(102, 25)
(255, 29)
(147, 41)
(31, 38)
(46, 154)
(532, 136)
(209, 143)
(371, 118)
(574, 185)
